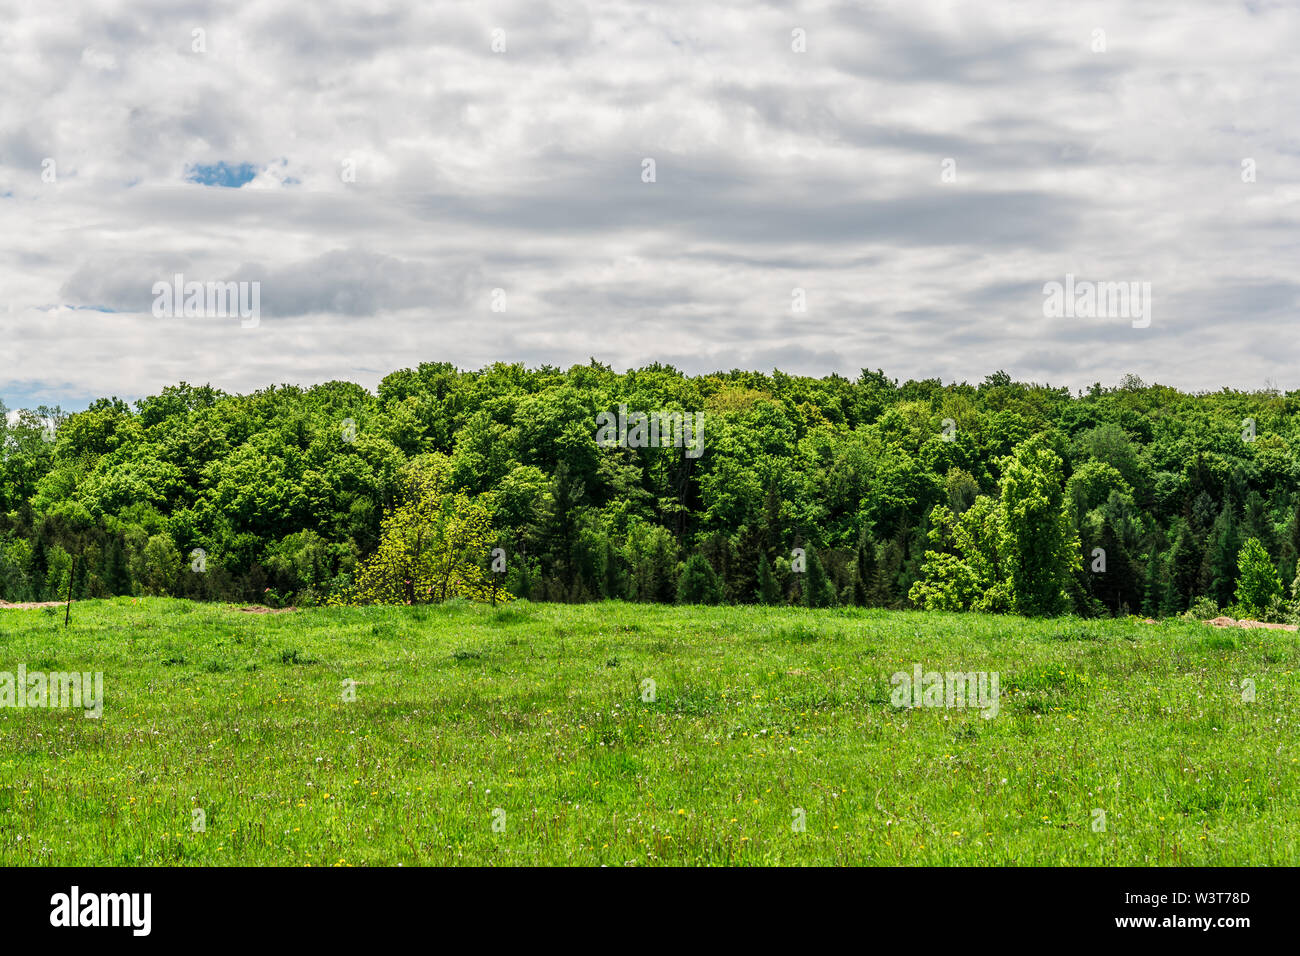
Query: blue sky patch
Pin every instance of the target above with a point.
(220, 174)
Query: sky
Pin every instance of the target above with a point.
(833, 187)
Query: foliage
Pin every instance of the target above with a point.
(289, 489)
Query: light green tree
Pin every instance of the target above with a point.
(1258, 583)
(1039, 546)
(434, 544)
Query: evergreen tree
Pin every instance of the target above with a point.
(698, 583)
(768, 590)
(818, 589)
(39, 569)
(1202, 515)
(1185, 566)
(720, 552)
(1153, 595)
(1121, 585)
(560, 529)
(1257, 524)
(652, 552)
(864, 571)
(1221, 558)
(611, 585)
(117, 577)
(1289, 548)
(888, 566)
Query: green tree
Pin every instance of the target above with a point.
(769, 592)
(160, 564)
(433, 544)
(1040, 548)
(1219, 571)
(698, 583)
(1185, 564)
(612, 584)
(1258, 583)
(652, 554)
(1153, 594)
(818, 589)
(864, 572)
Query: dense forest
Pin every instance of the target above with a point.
(999, 496)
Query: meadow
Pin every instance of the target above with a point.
(528, 735)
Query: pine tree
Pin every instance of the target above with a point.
(1221, 558)
(864, 572)
(698, 583)
(1202, 515)
(1153, 592)
(818, 590)
(1289, 550)
(559, 525)
(768, 591)
(611, 585)
(888, 564)
(1185, 566)
(1257, 524)
(39, 569)
(744, 581)
(117, 578)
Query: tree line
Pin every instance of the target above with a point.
(999, 496)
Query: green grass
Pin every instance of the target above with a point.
(538, 710)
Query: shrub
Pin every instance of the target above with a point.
(1202, 609)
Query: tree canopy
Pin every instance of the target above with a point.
(1000, 496)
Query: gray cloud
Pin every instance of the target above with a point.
(521, 170)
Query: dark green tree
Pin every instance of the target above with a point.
(864, 572)
(1221, 559)
(818, 589)
(698, 583)
(769, 592)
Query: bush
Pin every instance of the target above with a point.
(1202, 609)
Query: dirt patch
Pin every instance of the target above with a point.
(260, 609)
(6, 606)
(1247, 623)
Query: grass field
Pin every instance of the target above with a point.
(520, 736)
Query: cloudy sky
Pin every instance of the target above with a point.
(919, 168)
